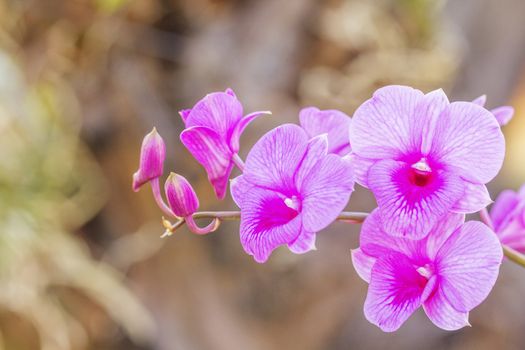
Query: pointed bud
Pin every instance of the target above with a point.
(181, 197)
(152, 155)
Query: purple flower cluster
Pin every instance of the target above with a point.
(426, 160)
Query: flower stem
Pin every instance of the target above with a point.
(155, 187)
(345, 216)
(238, 162)
(513, 255)
(192, 225)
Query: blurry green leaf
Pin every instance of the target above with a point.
(110, 6)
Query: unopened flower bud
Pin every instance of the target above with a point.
(182, 199)
(152, 155)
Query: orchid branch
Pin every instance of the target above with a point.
(219, 216)
(345, 216)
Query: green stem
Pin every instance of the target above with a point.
(513, 255)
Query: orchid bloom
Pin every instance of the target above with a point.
(426, 160)
(502, 114)
(423, 157)
(213, 129)
(448, 273)
(291, 188)
(332, 122)
(508, 218)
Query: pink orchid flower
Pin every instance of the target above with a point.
(332, 122)
(423, 157)
(213, 129)
(448, 273)
(502, 114)
(291, 188)
(508, 218)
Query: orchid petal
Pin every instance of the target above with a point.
(316, 150)
(468, 138)
(513, 234)
(480, 101)
(219, 111)
(266, 223)
(325, 191)
(394, 293)
(273, 160)
(184, 113)
(503, 114)
(363, 264)
(332, 122)
(239, 187)
(468, 265)
(505, 204)
(214, 155)
(304, 243)
(381, 126)
(423, 128)
(240, 126)
(361, 168)
(375, 242)
(443, 314)
(440, 233)
(475, 198)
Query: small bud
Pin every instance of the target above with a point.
(181, 197)
(152, 155)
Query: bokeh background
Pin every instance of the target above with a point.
(81, 81)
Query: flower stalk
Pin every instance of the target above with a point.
(345, 216)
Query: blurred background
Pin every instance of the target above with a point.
(82, 81)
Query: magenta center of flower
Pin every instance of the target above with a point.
(277, 211)
(420, 173)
